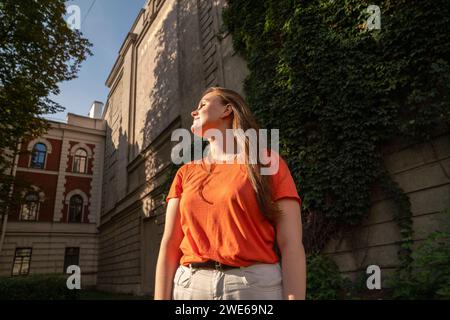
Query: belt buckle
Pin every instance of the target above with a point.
(218, 266)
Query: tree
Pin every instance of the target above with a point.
(38, 50)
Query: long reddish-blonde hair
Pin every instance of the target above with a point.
(244, 119)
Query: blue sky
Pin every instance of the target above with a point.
(105, 25)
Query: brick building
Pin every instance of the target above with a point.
(55, 225)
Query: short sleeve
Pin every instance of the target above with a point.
(176, 189)
(283, 185)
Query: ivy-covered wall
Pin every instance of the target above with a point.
(340, 93)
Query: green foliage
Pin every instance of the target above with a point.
(324, 281)
(37, 52)
(36, 287)
(339, 92)
(428, 276)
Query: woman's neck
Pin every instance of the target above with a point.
(222, 148)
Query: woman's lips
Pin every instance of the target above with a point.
(195, 122)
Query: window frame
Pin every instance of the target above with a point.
(16, 256)
(70, 207)
(34, 151)
(75, 164)
(26, 204)
(67, 261)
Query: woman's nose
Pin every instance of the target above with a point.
(194, 113)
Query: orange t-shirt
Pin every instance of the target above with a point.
(220, 216)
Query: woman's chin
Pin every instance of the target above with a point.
(196, 130)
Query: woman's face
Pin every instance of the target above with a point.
(210, 114)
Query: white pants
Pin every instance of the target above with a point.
(256, 282)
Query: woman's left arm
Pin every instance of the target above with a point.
(289, 239)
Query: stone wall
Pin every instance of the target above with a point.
(48, 242)
(422, 171)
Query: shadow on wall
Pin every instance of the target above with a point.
(129, 244)
(164, 95)
(119, 244)
(162, 117)
(133, 219)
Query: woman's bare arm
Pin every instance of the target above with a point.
(169, 252)
(289, 239)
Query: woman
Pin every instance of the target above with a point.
(224, 218)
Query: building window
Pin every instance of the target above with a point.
(21, 265)
(30, 207)
(80, 161)
(71, 257)
(38, 156)
(75, 208)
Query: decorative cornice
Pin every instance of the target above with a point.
(129, 40)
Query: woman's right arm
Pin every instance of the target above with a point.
(169, 252)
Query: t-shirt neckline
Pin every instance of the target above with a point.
(215, 165)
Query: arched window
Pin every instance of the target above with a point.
(80, 161)
(38, 156)
(75, 208)
(30, 207)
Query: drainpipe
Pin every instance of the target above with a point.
(5, 214)
(2, 238)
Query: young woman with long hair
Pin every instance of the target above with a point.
(224, 218)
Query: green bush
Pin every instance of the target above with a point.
(36, 287)
(324, 280)
(429, 274)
